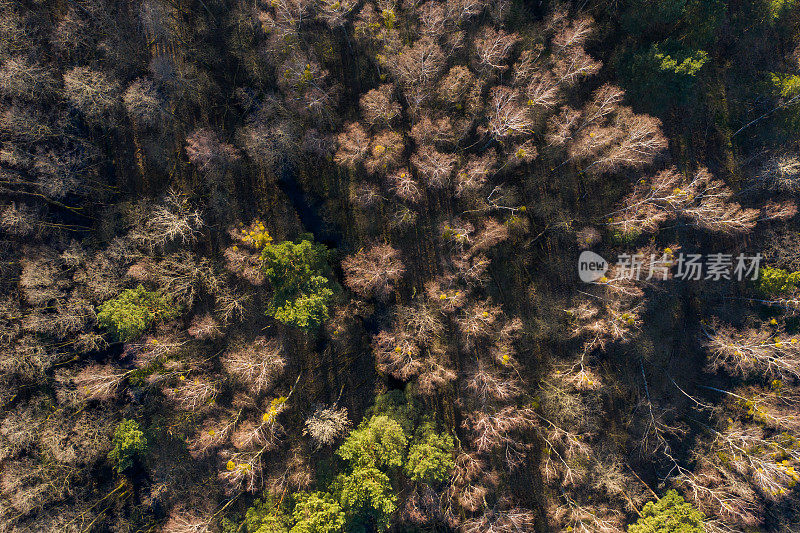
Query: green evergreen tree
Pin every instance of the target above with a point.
(663, 75)
(775, 281)
(667, 50)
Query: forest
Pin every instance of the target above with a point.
(399, 266)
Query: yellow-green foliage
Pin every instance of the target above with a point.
(787, 85)
(776, 281)
(129, 443)
(394, 445)
(265, 516)
(430, 458)
(779, 8)
(130, 314)
(255, 235)
(381, 442)
(669, 514)
(296, 272)
(317, 512)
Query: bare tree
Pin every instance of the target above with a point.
(637, 140)
(181, 521)
(144, 103)
(487, 383)
(462, 10)
(385, 153)
(204, 327)
(397, 354)
(435, 167)
(493, 48)
(169, 221)
(702, 199)
(373, 271)
(327, 424)
(766, 352)
(780, 172)
(21, 78)
(379, 107)
(94, 93)
(460, 87)
(335, 13)
(433, 20)
(417, 68)
(99, 382)
(192, 394)
(258, 364)
(206, 151)
(507, 116)
(439, 131)
(353, 146)
(475, 173)
(403, 184)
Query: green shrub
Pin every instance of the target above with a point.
(670, 514)
(787, 86)
(132, 312)
(396, 406)
(129, 443)
(625, 237)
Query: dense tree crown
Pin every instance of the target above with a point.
(130, 314)
(128, 444)
(300, 290)
(670, 513)
(310, 266)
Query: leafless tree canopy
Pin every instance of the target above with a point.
(320, 265)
